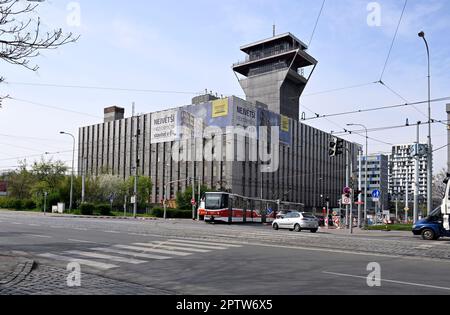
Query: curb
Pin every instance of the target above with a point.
(21, 271)
(101, 217)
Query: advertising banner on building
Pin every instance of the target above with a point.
(271, 119)
(244, 113)
(285, 130)
(164, 127)
(220, 108)
(215, 114)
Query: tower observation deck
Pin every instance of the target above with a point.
(274, 73)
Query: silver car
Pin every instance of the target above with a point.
(296, 221)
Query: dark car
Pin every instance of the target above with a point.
(432, 227)
(321, 219)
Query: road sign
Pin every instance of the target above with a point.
(347, 190)
(376, 199)
(376, 194)
(346, 201)
(133, 200)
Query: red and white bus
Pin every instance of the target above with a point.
(232, 208)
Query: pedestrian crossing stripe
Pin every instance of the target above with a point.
(170, 247)
(154, 250)
(137, 253)
(129, 253)
(108, 257)
(208, 243)
(90, 263)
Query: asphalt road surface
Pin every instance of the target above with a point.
(186, 257)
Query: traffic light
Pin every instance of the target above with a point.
(333, 147)
(336, 147)
(340, 147)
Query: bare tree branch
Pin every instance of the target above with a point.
(21, 38)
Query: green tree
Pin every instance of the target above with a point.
(20, 182)
(50, 173)
(184, 198)
(144, 190)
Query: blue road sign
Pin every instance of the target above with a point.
(376, 194)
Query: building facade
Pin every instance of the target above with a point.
(168, 145)
(402, 174)
(377, 179)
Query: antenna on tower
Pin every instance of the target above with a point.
(274, 29)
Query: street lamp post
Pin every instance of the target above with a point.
(430, 151)
(73, 162)
(366, 169)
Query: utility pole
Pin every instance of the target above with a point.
(416, 176)
(135, 166)
(193, 174)
(407, 197)
(199, 198)
(360, 188)
(430, 150)
(83, 180)
(45, 202)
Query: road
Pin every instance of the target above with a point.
(186, 257)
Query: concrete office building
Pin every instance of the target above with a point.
(402, 174)
(378, 179)
(274, 81)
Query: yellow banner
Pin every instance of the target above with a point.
(285, 123)
(220, 108)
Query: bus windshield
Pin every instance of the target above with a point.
(214, 202)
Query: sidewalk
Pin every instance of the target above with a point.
(360, 232)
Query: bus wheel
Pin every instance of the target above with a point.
(297, 228)
(428, 235)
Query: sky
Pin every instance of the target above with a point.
(181, 48)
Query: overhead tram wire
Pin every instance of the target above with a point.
(54, 107)
(380, 108)
(393, 41)
(386, 128)
(317, 23)
(343, 128)
(91, 87)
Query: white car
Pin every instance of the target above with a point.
(296, 221)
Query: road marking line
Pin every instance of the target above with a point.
(128, 253)
(39, 236)
(169, 247)
(16, 223)
(184, 245)
(80, 229)
(109, 257)
(111, 232)
(390, 281)
(154, 250)
(207, 243)
(56, 227)
(86, 242)
(89, 263)
(33, 225)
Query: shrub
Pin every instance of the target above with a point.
(172, 213)
(29, 204)
(103, 209)
(87, 209)
(11, 203)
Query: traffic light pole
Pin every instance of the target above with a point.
(360, 188)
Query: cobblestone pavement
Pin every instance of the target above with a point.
(48, 280)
